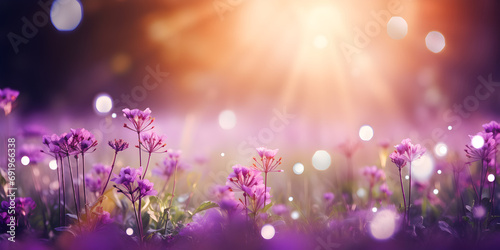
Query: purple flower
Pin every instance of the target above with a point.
(127, 176)
(7, 97)
(267, 161)
(118, 145)
(397, 159)
(23, 208)
(244, 179)
(373, 174)
(486, 152)
(130, 184)
(167, 168)
(83, 140)
(145, 188)
(280, 209)
(259, 196)
(385, 189)
(141, 120)
(101, 169)
(328, 196)
(492, 127)
(409, 151)
(33, 152)
(152, 143)
(94, 184)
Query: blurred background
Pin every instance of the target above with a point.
(225, 76)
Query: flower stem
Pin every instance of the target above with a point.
(409, 194)
(73, 186)
(110, 172)
(138, 218)
(59, 182)
(64, 193)
(139, 140)
(481, 183)
(77, 183)
(403, 192)
(173, 187)
(147, 165)
(84, 188)
(265, 188)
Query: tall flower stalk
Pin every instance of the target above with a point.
(117, 145)
(397, 159)
(151, 143)
(266, 164)
(494, 128)
(130, 184)
(83, 142)
(141, 121)
(406, 152)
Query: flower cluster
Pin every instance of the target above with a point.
(96, 177)
(130, 184)
(7, 97)
(486, 152)
(166, 169)
(250, 182)
(23, 208)
(267, 162)
(118, 145)
(141, 120)
(78, 141)
(153, 143)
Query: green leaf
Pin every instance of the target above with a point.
(267, 207)
(152, 214)
(204, 206)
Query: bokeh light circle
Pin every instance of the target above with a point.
(25, 160)
(491, 177)
(298, 168)
(383, 225)
(441, 149)
(66, 15)
(423, 168)
(267, 232)
(321, 160)
(397, 27)
(477, 141)
(366, 133)
(227, 119)
(435, 41)
(103, 103)
(53, 164)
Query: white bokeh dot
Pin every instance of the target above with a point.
(25, 160)
(477, 141)
(366, 133)
(103, 103)
(298, 168)
(66, 15)
(267, 232)
(321, 160)
(53, 164)
(227, 119)
(397, 28)
(435, 41)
